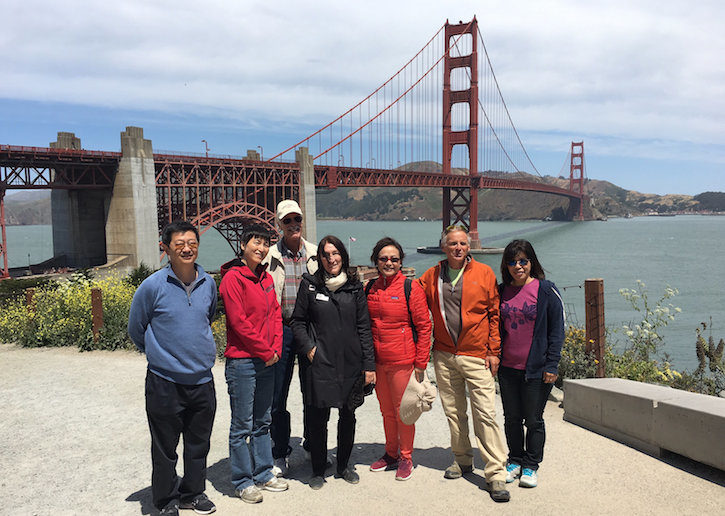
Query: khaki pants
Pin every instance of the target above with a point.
(453, 374)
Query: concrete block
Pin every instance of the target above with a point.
(649, 417)
(692, 425)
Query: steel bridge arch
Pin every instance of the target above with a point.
(230, 220)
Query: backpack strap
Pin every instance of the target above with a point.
(368, 287)
(407, 287)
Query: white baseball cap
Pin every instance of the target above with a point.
(286, 207)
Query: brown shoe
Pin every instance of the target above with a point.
(455, 470)
(498, 491)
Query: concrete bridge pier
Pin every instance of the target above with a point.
(308, 202)
(78, 219)
(132, 223)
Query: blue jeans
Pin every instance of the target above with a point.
(523, 405)
(281, 428)
(250, 385)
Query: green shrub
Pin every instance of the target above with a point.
(137, 275)
(61, 315)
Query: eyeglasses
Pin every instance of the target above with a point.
(523, 262)
(179, 246)
(288, 220)
(386, 259)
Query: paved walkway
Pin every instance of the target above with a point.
(75, 441)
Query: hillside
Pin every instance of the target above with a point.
(27, 207)
(607, 199)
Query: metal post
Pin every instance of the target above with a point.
(96, 312)
(594, 307)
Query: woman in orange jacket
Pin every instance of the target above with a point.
(401, 334)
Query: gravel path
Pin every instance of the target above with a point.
(75, 441)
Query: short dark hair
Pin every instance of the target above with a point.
(385, 242)
(255, 231)
(332, 239)
(178, 226)
(512, 249)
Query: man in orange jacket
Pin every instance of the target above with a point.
(463, 298)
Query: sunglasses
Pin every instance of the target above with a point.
(523, 262)
(288, 220)
(386, 259)
(179, 246)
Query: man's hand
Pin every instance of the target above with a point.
(550, 377)
(311, 354)
(272, 360)
(492, 363)
(370, 377)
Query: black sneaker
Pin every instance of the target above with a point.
(201, 505)
(171, 509)
(349, 476)
(317, 483)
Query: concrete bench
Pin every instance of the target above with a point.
(651, 418)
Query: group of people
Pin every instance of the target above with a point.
(294, 300)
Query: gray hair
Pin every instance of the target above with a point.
(451, 229)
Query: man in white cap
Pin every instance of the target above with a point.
(287, 260)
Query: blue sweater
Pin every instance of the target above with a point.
(173, 328)
(548, 336)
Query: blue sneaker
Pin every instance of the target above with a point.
(513, 471)
(528, 478)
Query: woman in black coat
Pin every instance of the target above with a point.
(332, 326)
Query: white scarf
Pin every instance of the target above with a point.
(335, 282)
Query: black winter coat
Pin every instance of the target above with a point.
(337, 323)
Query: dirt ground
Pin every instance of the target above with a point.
(75, 441)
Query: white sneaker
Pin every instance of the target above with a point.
(528, 478)
(281, 467)
(513, 471)
(251, 494)
(276, 485)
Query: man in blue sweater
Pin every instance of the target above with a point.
(170, 321)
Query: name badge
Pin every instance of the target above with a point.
(394, 298)
(321, 297)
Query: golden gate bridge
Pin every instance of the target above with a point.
(443, 109)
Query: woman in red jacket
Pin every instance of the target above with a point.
(397, 351)
(254, 343)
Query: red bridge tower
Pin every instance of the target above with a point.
(460, 205)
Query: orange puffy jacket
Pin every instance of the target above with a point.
(479, 335)
(390, 322)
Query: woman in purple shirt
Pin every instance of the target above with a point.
(532, 333)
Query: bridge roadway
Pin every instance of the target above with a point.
(33, 167)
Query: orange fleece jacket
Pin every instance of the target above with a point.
(479, 336)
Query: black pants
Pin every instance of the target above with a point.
(317, 419)
(280, 430)
(523, 405)
(172, 410)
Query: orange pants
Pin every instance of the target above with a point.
(391, 383)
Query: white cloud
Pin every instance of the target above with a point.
(616, 71)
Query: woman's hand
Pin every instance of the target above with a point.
(419, 374)
(550, 377)
(370, 377)
(272, 360)
(311, 354)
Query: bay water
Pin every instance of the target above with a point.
(686, 252)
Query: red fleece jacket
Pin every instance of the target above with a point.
(254, 318)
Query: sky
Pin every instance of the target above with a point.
(641, 82)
